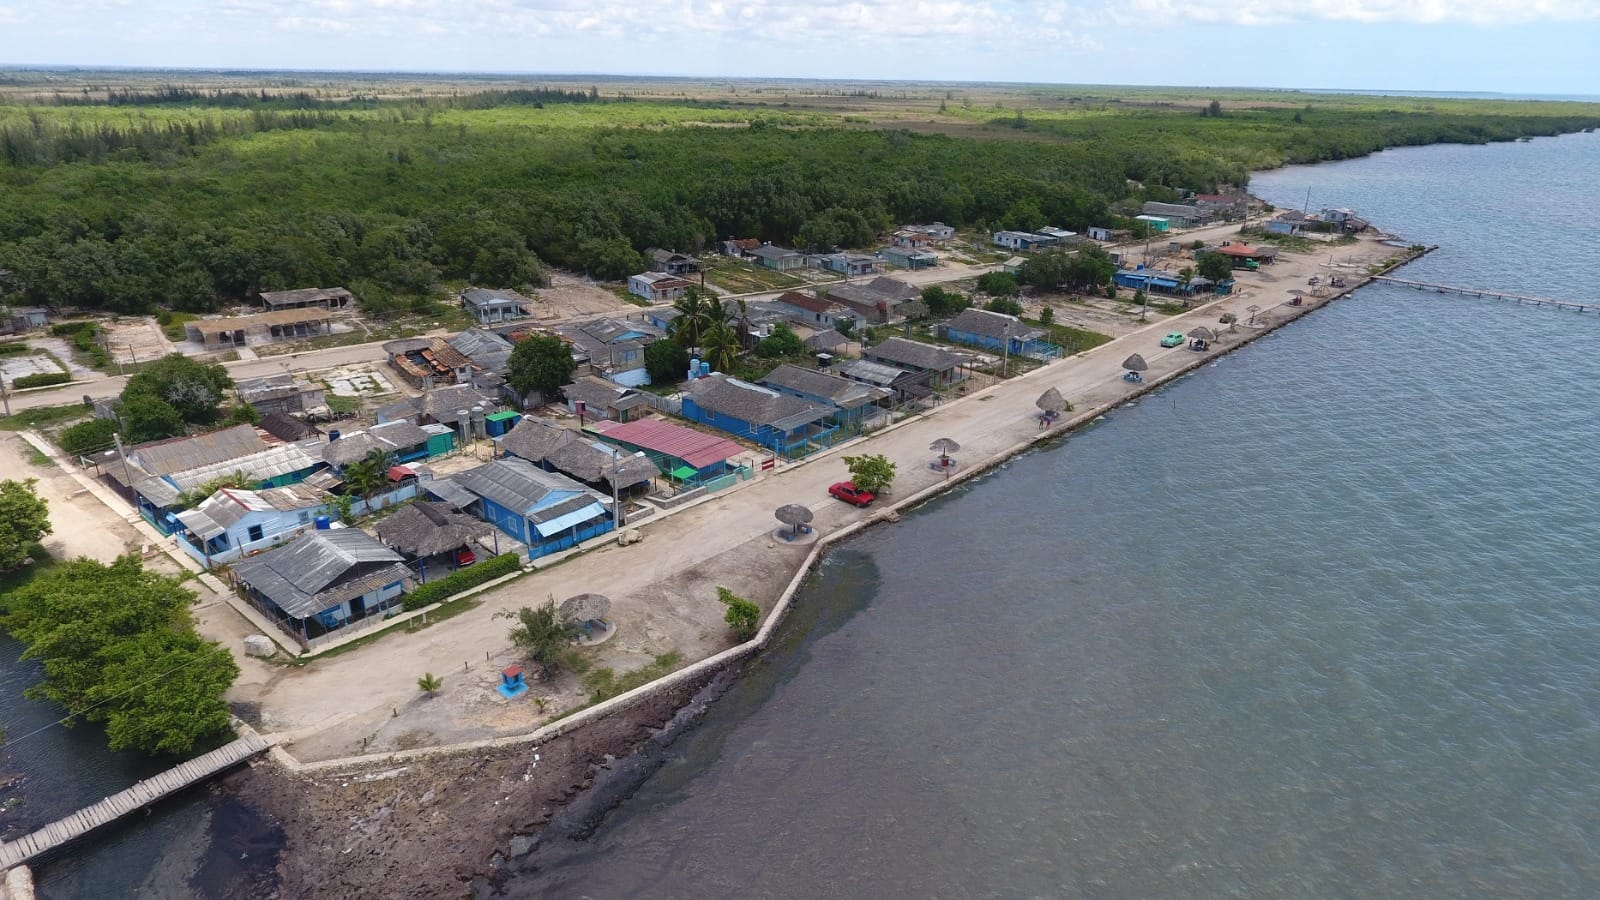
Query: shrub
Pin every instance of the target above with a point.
(71, 329)
(742, 616)
(13, 348)
(41, 379)
(461, 580)
(87, 437)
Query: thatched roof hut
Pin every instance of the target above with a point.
(584, 608)
(428, 527)
(1202, 333)
(1135, 363)
(1051, 401)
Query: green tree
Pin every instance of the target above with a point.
(871, 472)
(242, 414)
(24, 519)
(87, 437)
(781, 342)
(1215, 266)
(368, 475)
(697, 310)
(1047, 316)
(543, 363)
(430, 683)
(118, 646)
(844, 326)
(998, 284)
(1004, 305)
(666, 362)
(541, 634)
(721, 347)
(194, 389)
(941, 303)
(146, 417)
(742, 616)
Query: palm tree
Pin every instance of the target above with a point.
(722, 347)
(695, 312)
(369, 474)
(430, 683)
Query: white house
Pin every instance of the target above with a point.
(232, 523)
(657, 287)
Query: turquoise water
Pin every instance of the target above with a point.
(1320, 620)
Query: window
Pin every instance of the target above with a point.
(254, 534)
(305, 516)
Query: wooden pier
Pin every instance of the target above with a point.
(1489, 295)
(142, 794)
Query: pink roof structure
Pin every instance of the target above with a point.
(696, 448)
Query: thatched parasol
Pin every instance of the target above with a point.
(1051, 401)
(584, 608)
(1135, 363)
(944, 446)
(1202, 333)
(794, 515)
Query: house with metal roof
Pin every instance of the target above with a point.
(546, 511)
(853, 403)
(267, 327)
(687, 455)
(431, 530)
(813, 311)
(613, 348)
(778, 259)
(1178, 215)
(1001, 333)
(1021, 240)
(491, 306)
(670, 262)
(144, 465)
(910, 257)
(901, 384)
(234, 522)
(287, 428)
(658, 287)
(579, 456)
(592, 398)
(915, 356)
(283, 393)
(323, 582)
(307, 298)
(850, 265)
(780, 422)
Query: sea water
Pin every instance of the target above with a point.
(1319, 620)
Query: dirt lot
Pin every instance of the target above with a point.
(136, 340)
(575, 297)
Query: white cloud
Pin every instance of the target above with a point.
(1277, 12)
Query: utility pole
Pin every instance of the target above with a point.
(5, 396)
(126, 476)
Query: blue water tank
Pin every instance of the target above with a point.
(333, 435)
(323, 523)
(694, 367)
(705, 368)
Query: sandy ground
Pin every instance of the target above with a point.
(136, 340)
(83, 525)
(575, 297)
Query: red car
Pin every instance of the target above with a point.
(849, 493)
(465, 557)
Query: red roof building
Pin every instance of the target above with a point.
(680, 445)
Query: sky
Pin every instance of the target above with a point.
(1515, 47)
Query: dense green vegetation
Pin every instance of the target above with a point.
(460, 580)
(119, 647)
(24, 519)
(191, 198)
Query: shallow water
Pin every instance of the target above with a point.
(1318, 621)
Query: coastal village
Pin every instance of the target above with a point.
(389, 500)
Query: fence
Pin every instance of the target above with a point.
(670, 405)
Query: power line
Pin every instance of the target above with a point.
(71, 715)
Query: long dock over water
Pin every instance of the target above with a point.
(142, 794)
(1489, 295)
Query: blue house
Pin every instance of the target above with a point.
(853, 403)
(783, 423)
(234, 522)
(546, 511)
(159, 496)
(613, 348)
(1000, 333)
(324, 582)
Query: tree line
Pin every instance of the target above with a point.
(395, 207)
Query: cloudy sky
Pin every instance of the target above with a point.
(1510, 46)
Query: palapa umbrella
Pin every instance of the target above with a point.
(794, 515)
(1135, 363)
(1202, 333)
(584, 608)
(944, 447)
(1051, 401)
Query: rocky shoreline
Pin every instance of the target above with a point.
(441, 826)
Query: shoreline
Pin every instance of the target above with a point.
(528, 779)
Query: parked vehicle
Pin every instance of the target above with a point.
(849, 493)
(465, 557)
(1173, 339)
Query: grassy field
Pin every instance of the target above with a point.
(739, 277)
